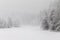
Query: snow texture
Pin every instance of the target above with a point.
(28, 33)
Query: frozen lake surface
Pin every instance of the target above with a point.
(28, 33)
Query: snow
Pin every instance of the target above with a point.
(28, 33)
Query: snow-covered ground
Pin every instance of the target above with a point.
(28, 33)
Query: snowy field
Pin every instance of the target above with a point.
(28, 33)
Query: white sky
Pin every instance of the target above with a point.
(18, 8)
(23, 6)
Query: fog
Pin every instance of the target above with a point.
(20, 9)
(25, 12)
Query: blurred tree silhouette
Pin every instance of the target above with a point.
(8, 24)
(51, 21)
(12, 23)
(3, 23)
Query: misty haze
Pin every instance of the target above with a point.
(22, 10)
(21, 20)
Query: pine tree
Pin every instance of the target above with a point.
(53, 17)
